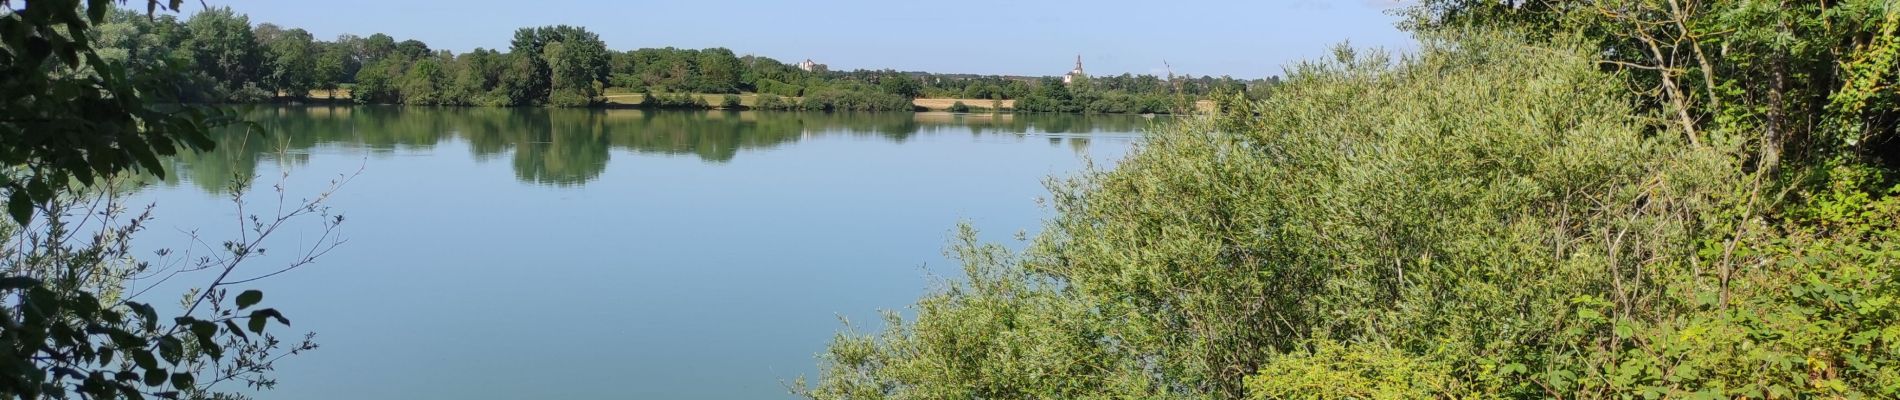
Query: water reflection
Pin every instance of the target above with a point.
(566, 147)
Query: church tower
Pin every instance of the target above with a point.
(1075, 73)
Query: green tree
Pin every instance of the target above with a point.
(427, 83)
(719, 71)
(479, 76)
(332, 67)
(380, 82)
(563, 63)
(375, 48)
(225, 47)
(1798, 75)
(290, 59)
(901, 85)
(413, 49)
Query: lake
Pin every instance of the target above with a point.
(499, 253)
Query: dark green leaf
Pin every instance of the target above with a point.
(144, 359)
(204, 330)
(20, 207)
(257, 323)
(181, 381)
(171, 349)
(144, 311)
(232, 326)
(249, 298)
(17, 282)
(96, 10)
(154, 376)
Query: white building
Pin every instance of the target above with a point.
(808, 66)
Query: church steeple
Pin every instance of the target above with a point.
(1075, 73)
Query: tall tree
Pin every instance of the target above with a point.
(290, 60)
(576, 66)
(333, 67)
(719, 71)
(225, 46)
(375, 48)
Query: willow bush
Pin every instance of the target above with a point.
(1483, 219)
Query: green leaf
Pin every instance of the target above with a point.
(171, 349)
(232, 326)
(257, 323)
(249, 298)
(144, 359)
(204, 330)
(17, 282)
(20, 207)
(272, 314)
(1589, 314)
(154, 376)
(181, 381)
(96, 10)
(149, 160)
(1513, 368)
(144, 311)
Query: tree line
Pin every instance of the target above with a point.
(232, 60)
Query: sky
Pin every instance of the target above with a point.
(1243, 39)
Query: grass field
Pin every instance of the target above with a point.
(342, 93)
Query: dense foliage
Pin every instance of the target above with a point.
(1085, 97)
(1497, 216)
(86, 108)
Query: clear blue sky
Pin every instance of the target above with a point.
(1247, 39)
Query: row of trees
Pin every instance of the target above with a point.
(1006, 88)
(1082, 97)
(235, 61)
(556, 66)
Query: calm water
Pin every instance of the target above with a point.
(525, 253)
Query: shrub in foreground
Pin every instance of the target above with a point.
(1415, 229)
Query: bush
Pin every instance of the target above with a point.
(769, 86)
(630, 82)
(249, 93)
(1381, 230)
(773, 102)
(569, 98)
(832, 99)
(959, 107)
(729, 102)
(676, 100)
(1331, 370)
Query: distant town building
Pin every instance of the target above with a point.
(808, 66)
(1075, 73)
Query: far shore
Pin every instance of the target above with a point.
(613, 98)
